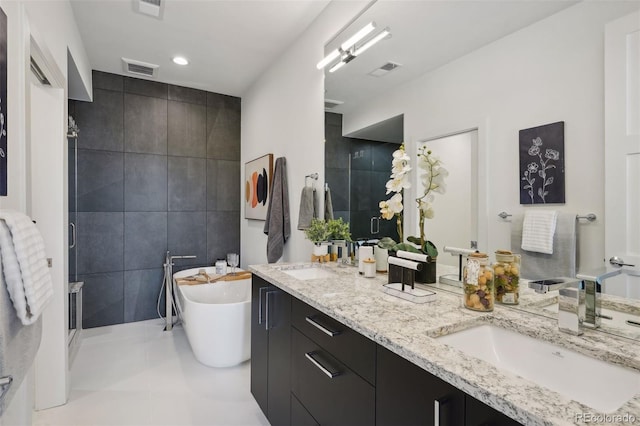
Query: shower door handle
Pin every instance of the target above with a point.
(375, 220)
(73, 235)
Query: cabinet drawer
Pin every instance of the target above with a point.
(352, 349)
(331, 392)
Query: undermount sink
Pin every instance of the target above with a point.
(309, 273)
(602, 386)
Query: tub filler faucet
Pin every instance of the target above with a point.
(168, 287)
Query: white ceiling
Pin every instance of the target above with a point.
(425, 35)
(228, 42)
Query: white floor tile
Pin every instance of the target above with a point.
(137, 374)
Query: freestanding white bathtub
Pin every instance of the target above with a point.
(216, 318)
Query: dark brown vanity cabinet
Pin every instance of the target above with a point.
(271, 350)
(308, 369)
(332, 369)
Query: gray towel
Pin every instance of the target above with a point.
(278, 223)
(18, 344)
(328, 204)
(563, 261)
(308, 207)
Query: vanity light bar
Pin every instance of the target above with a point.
(373, 41)
(337, 66)
(347, 45)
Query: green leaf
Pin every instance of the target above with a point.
(414, 240)
(406, 247)
(387, 243)
(430, 249)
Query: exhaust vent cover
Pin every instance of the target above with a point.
(153, 8)
(385, 69)
(140, 68)
(330, 104)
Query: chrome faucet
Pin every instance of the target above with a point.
(571, 301)
(592, 283)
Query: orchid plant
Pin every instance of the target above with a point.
(393, 207)
(432, 178)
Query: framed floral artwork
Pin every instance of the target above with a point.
(542, 164)
(3, 103)
(258, 175)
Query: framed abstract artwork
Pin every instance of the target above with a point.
(542, 164)
(3, 103)
(258, 175)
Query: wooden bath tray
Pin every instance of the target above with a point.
(200, 279)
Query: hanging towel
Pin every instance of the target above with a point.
(328, 204)
(564, 261)
(278, 222)
(308, 207)
(538, 229)
(24, 265)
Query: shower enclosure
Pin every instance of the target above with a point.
(75, 286)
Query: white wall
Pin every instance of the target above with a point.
(550, 71)
(52, 24)
(283, 114)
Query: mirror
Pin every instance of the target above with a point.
(447, 50)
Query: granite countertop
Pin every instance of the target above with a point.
(410, 330)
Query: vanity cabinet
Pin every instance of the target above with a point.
(332, 369)
(408, 395)
(271, 350)
(309, 369)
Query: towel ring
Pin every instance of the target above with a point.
(313, 176)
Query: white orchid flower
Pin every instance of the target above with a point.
(395, 203)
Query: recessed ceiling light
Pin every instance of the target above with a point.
(180, 60)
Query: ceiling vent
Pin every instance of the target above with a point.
(140, 68)
(330, 104)
(385, 69)
(153, 8)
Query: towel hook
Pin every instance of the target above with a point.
(504, 215)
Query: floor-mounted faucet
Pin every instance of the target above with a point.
(168, 287)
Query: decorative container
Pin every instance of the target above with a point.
(478, 283)
(506, 271)
(369, 266)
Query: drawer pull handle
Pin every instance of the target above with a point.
(325, 370)
(441, 409)
(260, 290)
(311, 320)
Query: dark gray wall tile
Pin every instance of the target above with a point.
(223, 234)
(223, 127)
(338, 181)
(145, 124)
(361, 190)
(100, 242)
(360, 155)
(187, 182)
(101, 121)
(337, 147)
(107, 81)
(145, 87)
(141, 289)
(187, 129)
(100, 181)
(187, 94)
(102, 299)
(145, 239)
(383, 155)
(187, 235)
(145, 182)
(223, 185)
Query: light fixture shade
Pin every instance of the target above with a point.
(371, 42)
(328, 59)
(358, 36)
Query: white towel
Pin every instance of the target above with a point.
(24, 265)
(538, 229)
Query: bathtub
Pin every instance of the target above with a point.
(216, 318)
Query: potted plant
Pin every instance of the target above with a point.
(318, 233)
(339, 234)
(432, 176)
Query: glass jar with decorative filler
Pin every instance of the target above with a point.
(506, 272)
(478, 283)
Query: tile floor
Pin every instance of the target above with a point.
(137, 374)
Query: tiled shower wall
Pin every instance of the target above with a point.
(357, 185)
(158, 169)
